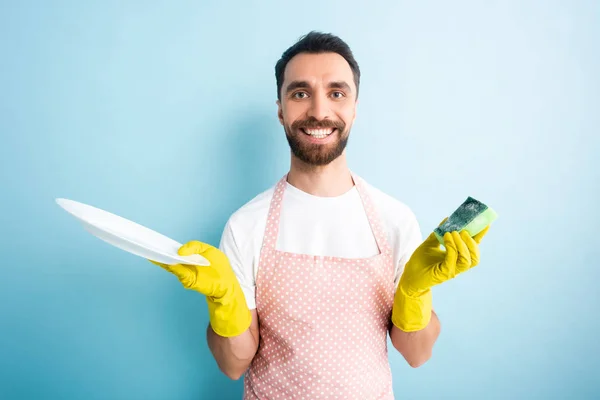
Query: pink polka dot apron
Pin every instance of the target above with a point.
(323, 320)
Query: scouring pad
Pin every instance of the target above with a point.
(472, 216)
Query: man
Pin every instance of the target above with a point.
(313, 274)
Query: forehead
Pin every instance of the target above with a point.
(318, 69)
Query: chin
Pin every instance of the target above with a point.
(315, 154)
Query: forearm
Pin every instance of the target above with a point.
(416, 347)
(234, 354)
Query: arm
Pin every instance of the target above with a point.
(234, 354)
(415, 324)
(414, 342)
(233, 327)
(416, 347)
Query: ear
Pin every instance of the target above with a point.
(355, 108)
(279, 112)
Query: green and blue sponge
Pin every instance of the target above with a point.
(471, 216)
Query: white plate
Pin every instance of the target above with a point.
(128, 235)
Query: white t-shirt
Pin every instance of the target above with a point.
(323, 226)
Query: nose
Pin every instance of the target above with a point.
(319, 107)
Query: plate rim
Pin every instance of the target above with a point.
(95, 224)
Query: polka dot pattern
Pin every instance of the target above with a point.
(323, 320)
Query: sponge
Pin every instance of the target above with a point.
(472, 216)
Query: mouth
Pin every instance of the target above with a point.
(321, 133)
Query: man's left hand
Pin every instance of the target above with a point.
(429, 266)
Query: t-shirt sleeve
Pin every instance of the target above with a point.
(411, 238)
(242, 267)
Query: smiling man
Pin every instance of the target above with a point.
(319, 106)
(314, 273)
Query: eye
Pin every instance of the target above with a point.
(338, 95)
(300, 95)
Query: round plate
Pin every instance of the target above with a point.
(128, 235)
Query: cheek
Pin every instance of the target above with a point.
(292, 112)
(347, 114)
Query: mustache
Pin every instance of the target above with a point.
(313, 123)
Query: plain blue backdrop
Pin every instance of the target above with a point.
(164, 112)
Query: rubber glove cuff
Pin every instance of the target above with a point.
(411, 313)
(229, 316)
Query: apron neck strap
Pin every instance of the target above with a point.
(274, 215)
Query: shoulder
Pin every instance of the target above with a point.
(251, 216)
(389, 207)
(398, 221)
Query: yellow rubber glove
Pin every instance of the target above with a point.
(227, 309)
(429, 266)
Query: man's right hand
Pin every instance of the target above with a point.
(228, 312)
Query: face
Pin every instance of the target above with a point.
(317, 106)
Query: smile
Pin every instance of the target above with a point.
(318, 133)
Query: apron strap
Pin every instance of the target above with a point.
(272, 228)
(372, 215)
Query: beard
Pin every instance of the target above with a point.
(314, 153)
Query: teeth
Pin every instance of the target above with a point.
(319, 133)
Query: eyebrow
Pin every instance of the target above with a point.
(340, 85)
(296, 85)
(304, 85)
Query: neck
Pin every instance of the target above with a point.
(329, 180)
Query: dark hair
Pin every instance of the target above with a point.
(316, 42)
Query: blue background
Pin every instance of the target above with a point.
(164, 113)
